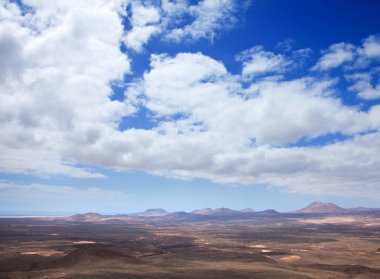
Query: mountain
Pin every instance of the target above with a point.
(181, 216)
(216, 211)
(204, 211)
(247, 210)
(268, 212)
(363, 210)
(271, 211)
(320, 207)
(224, 210)
(153, 212)
(86, 217)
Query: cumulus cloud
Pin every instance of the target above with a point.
(362, 85)
(368, 52)
(58, 114)
(179, 20)
(55, 86)
(371, 47)
(256, 61)
(341, 168)
(232, 135)
(335, 56)
(360, 65)
(200, 88)
(208, 17)
(355, 57)
(144, 20)
(139, 36)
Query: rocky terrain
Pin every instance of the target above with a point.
(319, 241)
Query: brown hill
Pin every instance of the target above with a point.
(320, 207)
(90, 255)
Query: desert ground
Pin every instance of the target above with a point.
(251, 245)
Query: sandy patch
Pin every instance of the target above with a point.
(318, 246)
(43, 253)
(84, 242)
(372, 224)
(299, 250)
(330, 220)
(257, 246)
(203, 241)
(266, 251)
(290, 259)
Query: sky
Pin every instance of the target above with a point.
(116, 106)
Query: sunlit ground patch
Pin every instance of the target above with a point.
(43, 253)
(83, 242)
(290, 259)
(258, 246)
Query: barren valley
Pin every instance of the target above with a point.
(219, 244)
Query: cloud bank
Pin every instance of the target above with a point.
(58, 114)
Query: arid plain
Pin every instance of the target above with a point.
(217, 244)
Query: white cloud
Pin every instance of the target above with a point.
(335, 56)
(201, 89)
(257, 61)
(357, 57)
(57, 114)
(145, 24)
(179, 20)
(368, 53)
(225, 135)
(139, 36)
(56, 84)
(174, 9)
(363, 87)
(344, 168)
(143, 15)
(209, 16)
(371, 47)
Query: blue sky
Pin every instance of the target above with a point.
(119, 106)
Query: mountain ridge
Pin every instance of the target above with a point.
(315, 207)
(321, 207)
